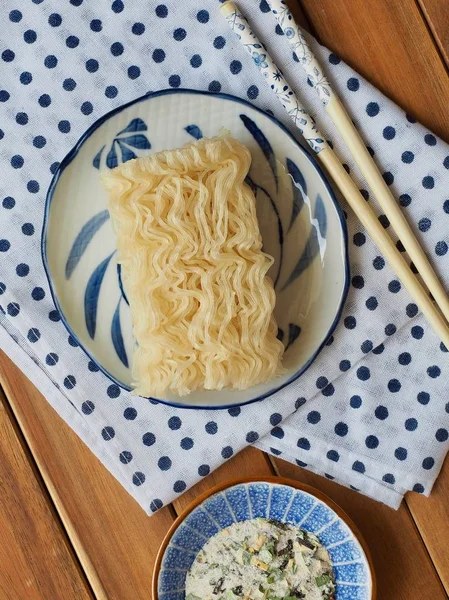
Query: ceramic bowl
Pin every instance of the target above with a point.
(302, 227)
(275, 498)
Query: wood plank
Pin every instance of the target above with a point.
(432, 519)
(401, 562)
(115, 540)
(33, 543)
(389, 44)
(248, 463)
(436, 13)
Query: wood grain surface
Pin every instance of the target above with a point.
(65, 522)
(36, 560)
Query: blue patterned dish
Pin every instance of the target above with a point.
(301, 224)
(295, 504)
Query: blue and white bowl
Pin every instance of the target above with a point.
(302, 227)
(295, 504)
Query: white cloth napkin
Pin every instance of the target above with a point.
(372, 411)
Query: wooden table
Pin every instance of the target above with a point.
(69, 531)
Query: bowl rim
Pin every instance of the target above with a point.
(271, 479)
(71, 155)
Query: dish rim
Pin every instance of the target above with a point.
(71, 155)
(271, 479)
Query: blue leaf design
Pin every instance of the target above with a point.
(97, 158)
(299, 187)
(117, 338)
(111, 158)
(134, 125)
(255, 187)
(92, 293)
(293, 333)
(194, 131)
(263, 143)
(120, 283)
(312, 247)
(320, 216)
(136, 141)
(127, 154)
(83, 239)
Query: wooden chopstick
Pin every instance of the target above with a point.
(347, 187)
(360, 154)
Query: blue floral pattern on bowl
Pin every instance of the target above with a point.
(282, 503)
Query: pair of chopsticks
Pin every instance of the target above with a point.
(343, 181)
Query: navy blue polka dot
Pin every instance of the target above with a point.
(211, 427)
(371, 303)
(203, 16)
(138, 478)
(69, 382)
(214, 86)
(400, 453)
(113, 391)
(428, 182)
(381, 412)
(130, 413)
(252, 92)
(13, 309)
(388, 177)
(358, 466)
(264, 7)
(64, 126)
(417, 332)
(158, 55)
(358, 282)
(186, 443)
(161, 11)
(148, 439)
(278, 432)
(341, 429)
(350, 322)
(26, 78)
(179, 486)
(219, 42)
(353, 84)
(17, 161)
(389, 478)
(405, 358)
(394, 385)
(51, 359)
(234, 411)
(355, 401)
(196, 61)
(333, 455)
(430, 139)
(33, 335)
(203, 470)
(96, 25)
(314, 417)
(359, 239)
(156, 505)
(434, 371)
(303, 443)
(389, 132)
(55, 20)
(111, 91)
(428, 463)
(53, 167)
(117, 49)
(88, 407)
(174, 81)
(15, 16)
(345, 365)
(394, 286)
(252, 436)
(125, 457)
(407, 157)
(138, 28)
(424, 224)
(133, 72)
(404, 200)
(441, 248)
(411, 310)
(227, 452)
(275, 452)
(30, 36)
(372, 109)
(54, 316)
(179, 34)
(321, 382)
(92, 65)
(410, 118)
(4, 96)
(174, 423)
(371, 442)
(108, 433)
(117, 6)
(235, 67)
(72, 41)
(442, 435)
(418, 488)
(39, 141)
(363, 373)
(69, 84)
(73, 2)
(8, 55)
(379, 263)
(299, 402)
(33, 186)
(411, 424)
(22, 270)
(86, 108)
(446, 162)
(366, 346)
(38, 293)
(328, 390)
(275, 419)
(5, 245)
(164, 463)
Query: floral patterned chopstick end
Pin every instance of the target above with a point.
(273, 76)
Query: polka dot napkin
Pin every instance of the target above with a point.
(372, 411)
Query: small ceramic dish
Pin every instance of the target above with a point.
(276, 498)
(302, 227)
